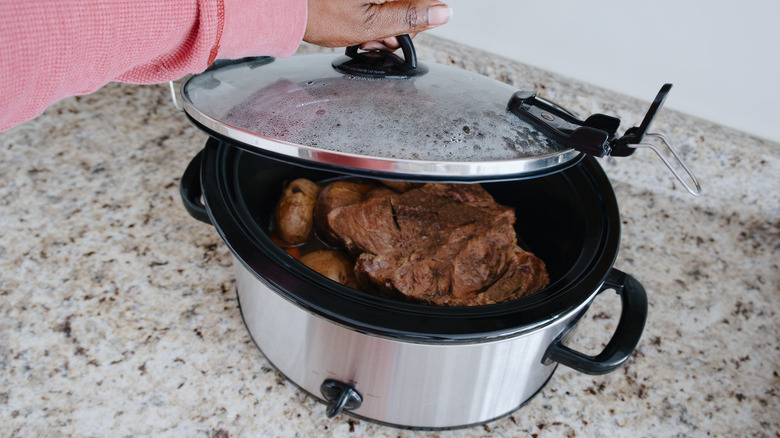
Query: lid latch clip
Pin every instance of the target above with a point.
(597, 135)
(593, 136)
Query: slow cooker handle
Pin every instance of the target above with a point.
(191, 192)
(626, 337)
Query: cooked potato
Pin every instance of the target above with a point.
(334, 195)
(294, 214)
(379, 192)
(401, 186)
(332, 264)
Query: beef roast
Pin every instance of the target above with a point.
(444, 244)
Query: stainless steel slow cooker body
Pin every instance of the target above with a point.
(400, 382)
(411, 365)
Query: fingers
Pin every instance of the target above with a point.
(400, 17)
(383, 45)
(387, 45)
(340, 23)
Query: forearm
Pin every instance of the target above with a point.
(53, 49)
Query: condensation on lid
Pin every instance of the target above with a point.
(448, 114)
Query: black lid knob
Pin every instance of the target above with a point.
(380, 64)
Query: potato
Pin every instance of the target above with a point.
(401, 186)
(380, 192)
(332, 264)
(294, 214)
(334, 195)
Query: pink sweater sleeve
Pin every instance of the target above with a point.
(53, 49)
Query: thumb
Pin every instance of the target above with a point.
(407, 16)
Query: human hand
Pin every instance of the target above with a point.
(374, 25)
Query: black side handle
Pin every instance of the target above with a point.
(626, 337)
(381, 64)
(191, 192)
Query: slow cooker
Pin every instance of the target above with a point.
(379, 116)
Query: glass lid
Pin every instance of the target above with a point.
(392, 117)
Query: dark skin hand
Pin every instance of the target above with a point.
(374, 24)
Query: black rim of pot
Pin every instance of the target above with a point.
(253, 247)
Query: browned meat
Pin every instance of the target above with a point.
(445, 244)
(334, 195)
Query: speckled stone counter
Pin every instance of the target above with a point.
(118, 315)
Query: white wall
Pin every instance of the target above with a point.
(723, 57)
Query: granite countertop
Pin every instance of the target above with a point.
(118, 315)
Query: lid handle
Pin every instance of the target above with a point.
(380, 64)
(597, 135)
